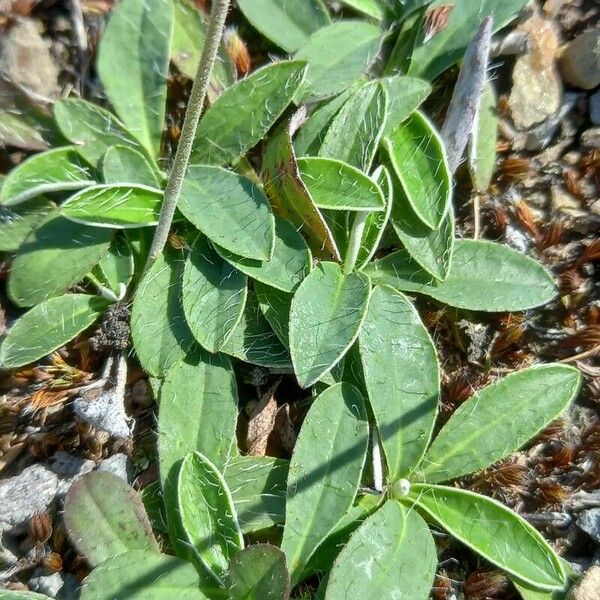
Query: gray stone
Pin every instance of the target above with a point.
(68, 466)
(580, 60)
(587, 588)
(50, 585)
(27, 494)
(9, 548)
(119, 465)
(516, 238)
(595, 108)
(589, 521)
(590, 138)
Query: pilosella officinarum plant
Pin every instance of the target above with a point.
(310, 198)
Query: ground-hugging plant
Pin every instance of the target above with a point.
(300, 175)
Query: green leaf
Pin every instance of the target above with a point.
(405, 95)
(214, 296)
(123, 164)
(141, 575)
(242, 114)
(404, 399)
(528, 592)
(105, 517)
(326, 315)
(9, 594)
(499, 419)
(325, 471)
(288, 194)
(159, 330)
(275, 306)
(258, 487)
(48, 326)
(133, 64)
(337, 55)
(254, 342)
(208, 515)
(335, 185)
(115, 206)
(55, 256)
(432, 57)
(91, 128)
(482, 149)
(495, 532)
(311, 134)
(18, 222)
(391, 555)
(431, 248)
(117, 266)
(51, 171)
(355, 131)
(290, 263)
(258, 572)
(189, 34)
(485, 276)
(198, 411)
(230, 210)
(287, 23)
(376, 222)
(372, 8)
(419, 161)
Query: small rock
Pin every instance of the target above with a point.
(537, 89)
(25, 59)
(9, 548)
(589, 521)
(119, 465)
(27, 494)
(516, 238)
(563, 202)
(580, 60)
(479, 339)
(587, 588)
(69, 466)
(51, 585)
(595, 108)
(590, 138)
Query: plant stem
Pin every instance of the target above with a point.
(355, 240)
(377, 462)
(214, 33)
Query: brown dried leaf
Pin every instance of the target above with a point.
(261, 422)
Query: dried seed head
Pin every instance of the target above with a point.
(591, 253)
(553, 233)
(550, 492)
(527, 219)
(442, 586)
(435, 20)
(587, 337)
(507, 476)
(237, 51)
(485, 585)
(515, 169)
(572, 182)
(39, 527)
(53, 562)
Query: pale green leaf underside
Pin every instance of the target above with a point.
(325, 318)
(499, 419)
(325, 471)
(275, 306)
(482, 148)
(122, 164)
(485, 276)
(494, 531)
(23, 220)
(405, 95)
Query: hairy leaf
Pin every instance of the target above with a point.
(258, 486)
(113, 205)
(391, 555)
(214, 295)
(337, 55)
(418, 160)
(275, 306)
(18, 222)
(141, 575)
(485, 276)
(243, 113)
(372, 8)
(52, 171)
(405, 95)
(403, 398)
(335, 185)
(325, 318)
(288, 194)
(159, 330)
(105, 517)
(287, 23)
(499, 419)
(325, 471)
(123, 164)
(495, 532)
(198, 410)
(259, 572)
(482, 149)
(208, 515)
(117, 266)
(290, 263)
(48, 326)
(91, 128)
(133, 64)
(355, 131)
(55, 256)
(231, 210)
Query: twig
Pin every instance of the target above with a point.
(467, 95)
(476, 216)
(591, 352)
(355, 240)
(188, 131)
(377, 464)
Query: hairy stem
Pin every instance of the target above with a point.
(355, 240)
(214, 33)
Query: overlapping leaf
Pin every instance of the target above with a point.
(123, 164)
